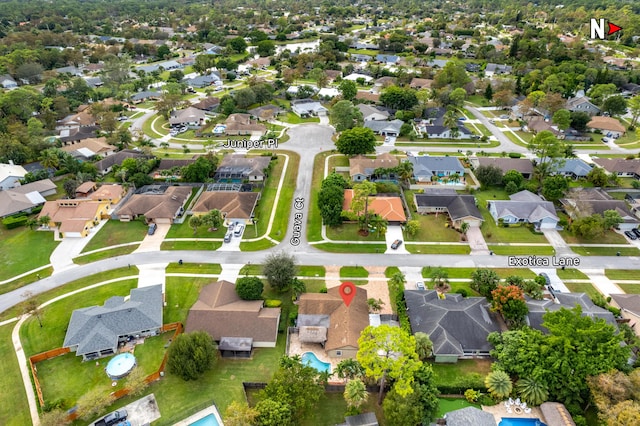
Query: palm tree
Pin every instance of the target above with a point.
(44, 220)
(349, 369)
(464, 227)
(440, 280)
(164, 145)
(405, 172)
(297, 288)
(379, 223)
(355, 393)
(455, 177)
(450, 120)
(49, 159)
(397, 280)
(499, 384)
(532, 390)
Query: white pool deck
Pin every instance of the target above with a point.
(199, 415)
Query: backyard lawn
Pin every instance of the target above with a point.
(14, 410)
(446, 405)
(115, 232)
(23, 250)
(291, 118)
(469, 371)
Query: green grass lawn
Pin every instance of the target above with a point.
(522, 250)
(571, 274)
(267, 199)
(181, 294)
(194, 268)
(291, 118)
(606, 251)
(466, 272)
(351, 248)
(434, 228)
(115, 232)
(23, 250)
(105, 254)
(281, 219)
(391, 271)
(251, 270)
(311, 271)
(55, 317)
(26, 280)
(14, 410)
(438, 249)
(630, 288)
(609, 237)
(621, 274)
(472, 371)
(353, 272)
(262, 244)
(583, 288)
(191, 245)
(183, 230)
(446, 405)
(351, 232)
(314, 221)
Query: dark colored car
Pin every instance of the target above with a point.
(396, 244)
(547, 280)
(636, 231)
(152, 229)
(631, 235)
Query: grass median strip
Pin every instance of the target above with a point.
(606, 251)
(14, 410)
(515, 250)
(26, 280)
(351, 248)
(438, 249)
(194, 268)
(353, 272)
(105, 254)
(621, 274)
(191, 245)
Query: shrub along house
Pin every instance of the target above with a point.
(97, 331)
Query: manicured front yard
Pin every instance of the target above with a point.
(190, 245)
(291, 118)
(23, 250)
(522, 250)
(571, 274)
(353, 272)
(351, 248)
(183, 230)
(181, 293)
(437, 249)
(25, 280)
(630, 288)
(609, 237)
(622, 274)
(583, 288)
(351, 232)
(466, 272)
(194, 268)
(14, 410)
(606, 251)
(115, 232)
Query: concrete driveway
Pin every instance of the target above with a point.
(62, 256)
(394, 232)
(476, 241)
(153, 242)
(558, 243)
(556, 282)
(234, 244)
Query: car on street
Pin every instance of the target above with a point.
(631, 235)
(420, 285)
(396, 244)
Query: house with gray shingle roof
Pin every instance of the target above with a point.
(426, 167)
(524, 207)
(587, 201)
(574, 168)
(97, 331)
(458, 326)
(460, 208)
(384, 128)
(537, 308)
(470, 416)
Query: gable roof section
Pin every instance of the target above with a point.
(537, 308)
(628, 302)
(384, 126)
(389, 208)
(366, 166)
(618, 165)
(97, 146)
(187, 115)
(606, 123)
(368, 110)
(456, 325)
(11, 170)
(222, 313)
(459, 206)
(345, 323)
(118, 158)
(470, 416)
(236, 205)
(238, 164)
(427, 165)
(154, 206)
(521, 165)
(98, 327)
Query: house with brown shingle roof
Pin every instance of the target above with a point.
(208, 104)
(242, 124)
(232, 205)
(90, 147)
(155, 205)
(324, 318)
(192, 117)
(607, 125)
(387, 207)
(223, 314)
(75, 218)
(362, 168)
(629, 305)
(620, 166)
(421, 83)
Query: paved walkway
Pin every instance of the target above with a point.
(603, 284)
(230, 272)
(476, 241)
(152, 274)
(154, 242)
(377, 288)
(63, 254)
(24, 371)
(332, 276)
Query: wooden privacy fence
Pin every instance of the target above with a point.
(33, 360)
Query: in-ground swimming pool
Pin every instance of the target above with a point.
(120, 365)
(514, 421)
(311, 359)
(208, 420)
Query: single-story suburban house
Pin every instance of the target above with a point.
(324, 318)
(105, 165)
(522, 165)
(75, 218)
(204, 80)
(620, 166)
(192, 117)
(308, 108)
(588, 201)
(421, 83)
(108, 193)
(223, 314)
(209, 104)
(574, 168)
(524, 207)
(629, 305)
(7, 82)
(582, 104)
(97, 331)
(370, 112)
(24, 198)
(387, 207)
(537, 308)
(458, 326)
(426, 168)
(461, 208)
(266, 112)
(157, 203)
(362, 168)
(242, 124)
(90, 147)
(355, 76)
(607, 125)
(444, 132)
(232, 205)
(239, 167)
(384, 127)
(147, 95)
(387, 59)
(492, 69)
(10, 175)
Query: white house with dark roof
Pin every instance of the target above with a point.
(10, 175)
(97, 331)
(370, 112)
(524, 207)
(308, 108)
(582, 104)
(384, 128)
(458, 326)
(461, 208)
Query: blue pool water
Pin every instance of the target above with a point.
(208, 420)
(311, 359)
(513, 421)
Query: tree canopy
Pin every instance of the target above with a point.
(359, 140)
(249, 288)
(191, 354)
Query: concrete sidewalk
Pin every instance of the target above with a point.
(63, 254)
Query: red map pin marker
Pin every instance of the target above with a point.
(348, 292)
